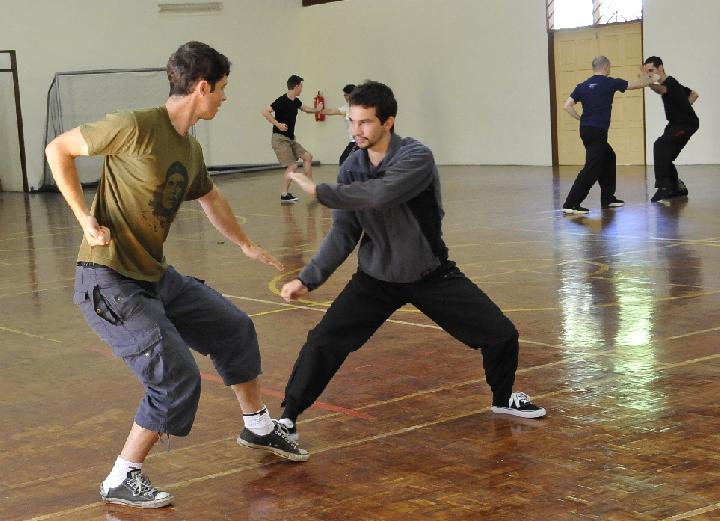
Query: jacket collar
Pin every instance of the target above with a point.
(363, 161)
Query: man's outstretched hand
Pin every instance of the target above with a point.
(307, 185)
(255, 252)
(293, 290)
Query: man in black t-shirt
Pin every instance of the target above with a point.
(287, 150)
(682, 124)
(596, 95)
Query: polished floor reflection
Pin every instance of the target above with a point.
(620, 331)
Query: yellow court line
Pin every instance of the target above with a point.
(693, 333)
(682, 363)
(693, 513)
(25, 333)
(68, 511)
(281, 310)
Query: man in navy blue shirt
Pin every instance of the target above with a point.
(596, 95)
(682, 124)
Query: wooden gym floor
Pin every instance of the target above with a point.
(620, 331)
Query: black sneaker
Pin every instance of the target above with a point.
(661, 194)
(681, 188)
(278, 442)
(519, 404)
(137, 491)
(288, 198)
(291, 428)
(613, 203)
(576, 209)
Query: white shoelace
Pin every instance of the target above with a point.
(518, 399)
(285, 434)
(141, 486)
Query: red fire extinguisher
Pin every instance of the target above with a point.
(317, 101)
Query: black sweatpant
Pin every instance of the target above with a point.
(666, 150)
(447, 296)
(599, 167)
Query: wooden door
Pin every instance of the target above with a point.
(574, 52)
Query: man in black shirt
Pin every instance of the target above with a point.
(287, 150)
(682, 124)
(596, 95)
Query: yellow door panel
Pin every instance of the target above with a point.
(574, 52)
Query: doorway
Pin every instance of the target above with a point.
(573, 51)
(13, 174)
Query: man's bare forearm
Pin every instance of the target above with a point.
(660, 89)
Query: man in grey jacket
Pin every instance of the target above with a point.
(388, 199)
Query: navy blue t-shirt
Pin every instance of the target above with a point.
(596, 95)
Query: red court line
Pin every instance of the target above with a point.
(317, 405)
(105, 351)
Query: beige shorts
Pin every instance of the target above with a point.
(287, 150)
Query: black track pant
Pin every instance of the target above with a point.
(447, 296)
(666, 150)
(599, 167)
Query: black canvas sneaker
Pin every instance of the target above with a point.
(291, 428)
(137, 491)
(278, 442)
(661, 195)
(576, 209)
(613, 203)
(519, 404)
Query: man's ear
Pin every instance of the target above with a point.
(202, 87)
(389, 123)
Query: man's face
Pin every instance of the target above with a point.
(298, 89)
(366, 127)
(650, 69)
(173, 191)
(213, 98)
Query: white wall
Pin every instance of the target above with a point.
(52, 35)
(685, 35)
(470, 76)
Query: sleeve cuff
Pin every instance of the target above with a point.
(305, 284)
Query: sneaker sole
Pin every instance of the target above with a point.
(523, 414)
(150, 504)
(570, 211)
(289, 202)
(277, 452)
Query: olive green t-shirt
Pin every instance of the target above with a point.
(149, 170)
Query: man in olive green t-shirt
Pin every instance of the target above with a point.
(143, 308)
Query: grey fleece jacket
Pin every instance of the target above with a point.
(394, 210)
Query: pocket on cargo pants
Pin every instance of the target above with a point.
(121, 316)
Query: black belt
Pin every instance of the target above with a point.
(84, 264)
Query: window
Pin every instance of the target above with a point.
(566, 14)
